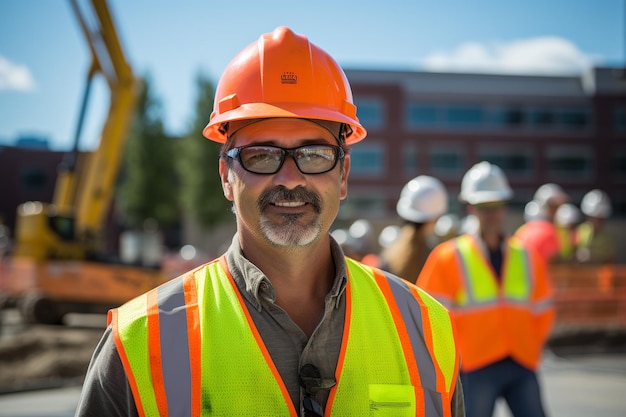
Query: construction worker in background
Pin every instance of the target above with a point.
(500, 298)
(550, 196)
(283, 324)
(422, 200)
(566, 219)
(594, 242)
(539, 231)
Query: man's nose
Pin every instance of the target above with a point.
(289, 174)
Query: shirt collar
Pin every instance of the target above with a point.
(258, 288)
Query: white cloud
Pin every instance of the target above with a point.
(15, 77)
(543, 55)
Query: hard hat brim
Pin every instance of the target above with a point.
(289, 110)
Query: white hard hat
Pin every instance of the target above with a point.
(388, 235)
(446, 225)
(422, 199)
(485, 183)
(596, 203)
(550, 194)
(567, 214)
(535, 211)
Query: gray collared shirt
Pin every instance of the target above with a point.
(106, 386)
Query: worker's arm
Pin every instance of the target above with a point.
(106, 391)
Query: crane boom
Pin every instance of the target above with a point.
(58, 264)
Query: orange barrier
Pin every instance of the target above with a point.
(589, 297)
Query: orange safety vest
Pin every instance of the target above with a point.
(190, 347)
(541, 236)
(495, 319)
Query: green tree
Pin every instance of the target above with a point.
(147, 188)
(201, 188)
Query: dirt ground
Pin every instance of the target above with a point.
(40, 356)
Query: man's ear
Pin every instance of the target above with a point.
(227, 187)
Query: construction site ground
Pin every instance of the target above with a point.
(40, 356)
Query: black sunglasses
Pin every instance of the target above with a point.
(266, 160)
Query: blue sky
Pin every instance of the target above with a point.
(44, 58)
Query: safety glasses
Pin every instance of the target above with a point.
(267, 160)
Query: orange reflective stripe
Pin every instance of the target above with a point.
(405, 340)
(257, 337)
(193, 324)
(154, 348)
(112, 320)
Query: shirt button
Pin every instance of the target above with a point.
(264, 286)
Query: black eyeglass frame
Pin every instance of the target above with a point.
(235, 153)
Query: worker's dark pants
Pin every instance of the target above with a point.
(504, 379)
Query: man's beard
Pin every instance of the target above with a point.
(290, 232)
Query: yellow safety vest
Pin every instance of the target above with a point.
(190, 348)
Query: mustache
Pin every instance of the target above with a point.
(281, 193)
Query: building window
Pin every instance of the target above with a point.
(619, 119)
(446, 161)
(370, 112)
(570, 163)
(507, 117)
(411, 163)
(421, 115)
(362, 204)
(464, 116)
(516, 162)
(574, 118)
(367, 160)
(619, 164)
(542, 118)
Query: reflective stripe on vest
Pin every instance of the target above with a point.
(160, 336)
(517, 277)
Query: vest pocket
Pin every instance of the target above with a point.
(391, 400)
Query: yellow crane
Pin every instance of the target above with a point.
(57, 265)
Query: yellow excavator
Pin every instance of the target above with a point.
(57, 264)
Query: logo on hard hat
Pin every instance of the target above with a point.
(289, 77)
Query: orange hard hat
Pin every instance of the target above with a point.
(283, 75)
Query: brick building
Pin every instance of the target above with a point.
(565, 129)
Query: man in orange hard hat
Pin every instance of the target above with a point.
(283, 324)
(500, 298)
